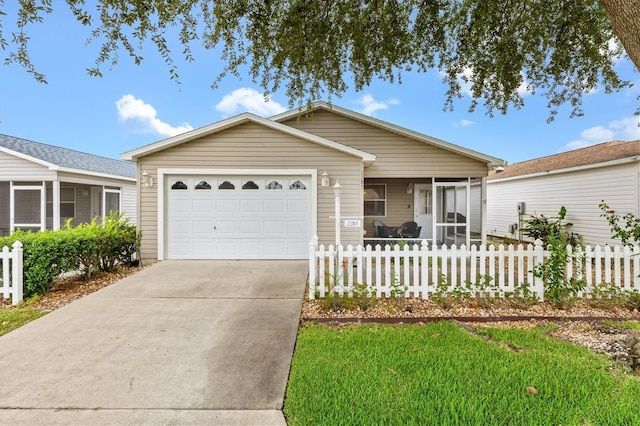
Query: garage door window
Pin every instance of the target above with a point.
(179, 185)
(203, 185)
(250, 185)
(226, 185)
(274, 184)
(297, 185)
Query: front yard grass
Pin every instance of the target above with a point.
(441, 374)
(14, 317)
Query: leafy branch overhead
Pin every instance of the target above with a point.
(318, 49)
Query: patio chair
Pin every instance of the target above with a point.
(387, 232)
(376, 224)
(410, 230)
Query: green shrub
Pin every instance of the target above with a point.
(87, 248)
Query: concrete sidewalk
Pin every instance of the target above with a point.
(180, 342)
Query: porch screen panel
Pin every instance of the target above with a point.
(112, 202)
(27, 207)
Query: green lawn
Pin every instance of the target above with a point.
(440, 374)
(12, 318)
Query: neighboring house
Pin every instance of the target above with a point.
(251, 187)
(579, 180)
(43, 186)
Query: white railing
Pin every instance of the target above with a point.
(11, 279)
(420, 270)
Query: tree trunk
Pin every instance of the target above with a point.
(625, 21)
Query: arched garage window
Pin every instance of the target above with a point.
(226, 185)
(203, 185)
(297, 185)
(250, 185)
(179, 185)
(274, 184)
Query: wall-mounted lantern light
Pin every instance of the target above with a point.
(146, 179)
(325, 179)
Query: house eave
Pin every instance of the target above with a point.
(592, 166)
(96, 174)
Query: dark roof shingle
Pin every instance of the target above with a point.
(594, 154)
(69, 158)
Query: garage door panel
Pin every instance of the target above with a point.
(297, 206)
(202, 229)
(274, 227)
(250, 206)
(227, 206)
(251, 228)
(202, 206)
(297, 228)
(226, 227)
(237, 223)
(278, 206)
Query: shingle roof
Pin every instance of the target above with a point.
(69, 158)
(600, 153)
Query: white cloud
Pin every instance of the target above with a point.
(370, 105)
(623, 129)
(463, 123)
(144, 117)
(248, 100)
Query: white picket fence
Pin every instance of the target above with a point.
(11, 279)
(418, 270)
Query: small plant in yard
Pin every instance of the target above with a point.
(522, 297)
(558, 288)
(626, 227)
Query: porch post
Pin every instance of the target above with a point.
(43, 207)
(483, 210)
(12, 208)
(56, 204)
(336, 189)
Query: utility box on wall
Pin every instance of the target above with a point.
(521, 207)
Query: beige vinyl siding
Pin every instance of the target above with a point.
(397, 156)
(18, 169)
(251, 146)
(579, 191)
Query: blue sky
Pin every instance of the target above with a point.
(135, 105)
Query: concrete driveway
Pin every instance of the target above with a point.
(180, 342)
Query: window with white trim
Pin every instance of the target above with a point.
(375, 200)
(67, 203)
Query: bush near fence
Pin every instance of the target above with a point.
(87, 248)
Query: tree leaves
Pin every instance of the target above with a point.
(497, 50)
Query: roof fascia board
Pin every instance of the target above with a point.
(95, 174)
(50, 166)
(240, 119)
(617, 162)
(491, 161)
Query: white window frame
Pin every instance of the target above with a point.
(385, 199)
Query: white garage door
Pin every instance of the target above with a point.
(238, 217)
